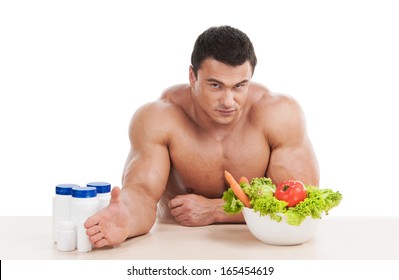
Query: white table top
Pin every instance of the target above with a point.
(337, 238)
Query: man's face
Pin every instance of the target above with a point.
(221, 90)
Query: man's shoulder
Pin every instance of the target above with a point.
(266, 102)
(156, 112)
(166, 110)
(277, 113)
(178, 94)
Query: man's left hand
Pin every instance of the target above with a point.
(195, 210)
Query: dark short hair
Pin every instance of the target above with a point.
(225, 44)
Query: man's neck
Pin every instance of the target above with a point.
(217, 131)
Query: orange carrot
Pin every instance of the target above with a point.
(237, 189)
(243, 180)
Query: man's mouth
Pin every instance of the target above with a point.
(226, 112)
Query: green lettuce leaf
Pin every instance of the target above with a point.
(233, 205)
(259, 187)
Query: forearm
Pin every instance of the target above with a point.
(223, 217)
(142, 212)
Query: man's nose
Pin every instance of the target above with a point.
(227, 98)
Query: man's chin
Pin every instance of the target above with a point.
(225, 120)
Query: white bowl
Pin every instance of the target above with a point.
(279, 233)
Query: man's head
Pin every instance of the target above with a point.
(225, 44)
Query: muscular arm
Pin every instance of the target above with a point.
(132, 210)
(146, 170)
(292, 155)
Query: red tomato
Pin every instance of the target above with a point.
(291, 191)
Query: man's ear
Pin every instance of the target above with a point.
(192, 77)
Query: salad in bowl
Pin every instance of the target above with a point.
(287, 214)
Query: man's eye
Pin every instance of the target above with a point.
(215, 85)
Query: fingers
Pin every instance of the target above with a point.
(176, 212)
(179, 200)
(97, 236)
(93, 220)
(93, 230)
(101, 243)
(175, 202)
(100, 227)
(115, 195)
(175, 206)
(180, 209)
(192, 210)
(96, 218)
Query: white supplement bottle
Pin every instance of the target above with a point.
(61, 204)
(66, 236)
(83, 205)
(103, 192)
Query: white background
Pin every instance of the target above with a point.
(72, 73)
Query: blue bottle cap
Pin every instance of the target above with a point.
(84, 192)
(65, 189)
(102, 187)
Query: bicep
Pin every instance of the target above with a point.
(148, 164)
(292, 155)
(294, 161)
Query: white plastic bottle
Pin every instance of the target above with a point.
(66, 236)
(83, 205)
(103, 192)
(61, 205)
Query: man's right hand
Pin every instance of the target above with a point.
(109, 226)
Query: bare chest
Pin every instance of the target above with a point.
(198, 162)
